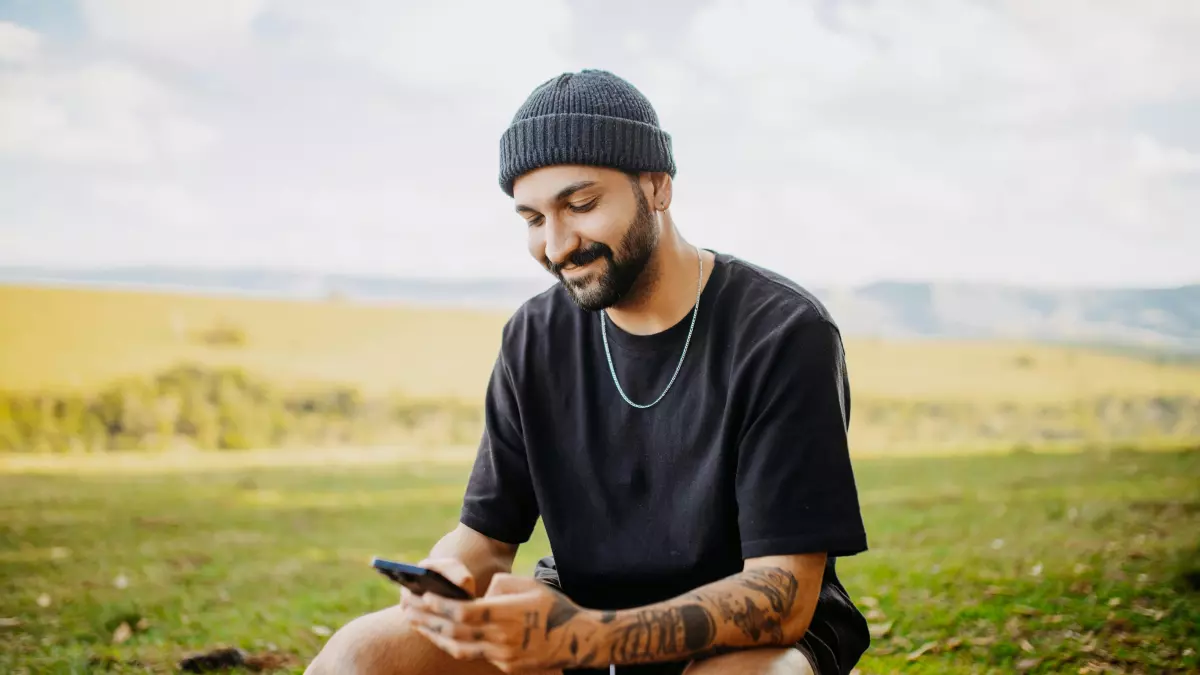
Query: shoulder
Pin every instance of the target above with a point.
(787, 340)
(768, 304)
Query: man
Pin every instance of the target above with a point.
(676, 417)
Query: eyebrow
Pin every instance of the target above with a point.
(562, 194)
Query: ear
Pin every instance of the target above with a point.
(660, 196)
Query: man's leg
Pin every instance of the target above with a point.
(765, 661)
(383, 643)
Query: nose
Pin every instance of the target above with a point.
(561, 242)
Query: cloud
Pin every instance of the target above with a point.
(453, 46)
(970, 134)
(97, 112)
(192, 32)
(18, 44)
(1152, 158)
(162, 205)
(967, 62)
(837, 142)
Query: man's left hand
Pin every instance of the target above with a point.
(519, 625)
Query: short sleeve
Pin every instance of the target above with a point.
(795, 484)
(499, 500)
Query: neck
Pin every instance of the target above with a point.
(666, 291)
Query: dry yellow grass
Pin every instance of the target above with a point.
(77, 339)
(71, 339)
(1007, 371)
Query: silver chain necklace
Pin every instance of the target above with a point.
(608, 353)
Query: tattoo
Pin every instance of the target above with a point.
(561, 612)
(757, 604)
(751, 619)
(531, 622)
(699, 629)
(664, 632)
(779, 587)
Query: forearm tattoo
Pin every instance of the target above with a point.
(745, 610)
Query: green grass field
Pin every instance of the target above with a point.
(1068, 563)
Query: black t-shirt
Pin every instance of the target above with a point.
(745, 456)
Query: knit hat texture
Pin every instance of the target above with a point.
(591, 117)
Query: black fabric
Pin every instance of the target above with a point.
(591, 117)
(746, 455)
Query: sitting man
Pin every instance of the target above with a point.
(676, 416)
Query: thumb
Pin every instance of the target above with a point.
(454, 570)
(507, 584)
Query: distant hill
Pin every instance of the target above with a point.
(478, 293)
(1167, 318)
(1161, 319)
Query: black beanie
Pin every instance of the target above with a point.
(591, 117)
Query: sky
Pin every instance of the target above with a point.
(836, 142)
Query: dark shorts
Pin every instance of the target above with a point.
(546, 572)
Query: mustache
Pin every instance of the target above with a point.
(581, 257)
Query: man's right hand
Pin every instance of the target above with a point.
(451, 568)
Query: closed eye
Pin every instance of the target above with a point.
(534, 221)
(584, 208)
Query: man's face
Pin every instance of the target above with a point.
(590, 227)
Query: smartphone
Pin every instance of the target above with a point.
(419, 580)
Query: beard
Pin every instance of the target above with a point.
(623, 270)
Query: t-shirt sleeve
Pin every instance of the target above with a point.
(795, 485)
(499, 500)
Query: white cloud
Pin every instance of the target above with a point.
(1155, 159)
(17, 43)
(454, 46)
(943, 131)
(96, 112)
(184, 137)
(187, 31)
(983, 63)
(84, 116)
(157, 204)
(837, 142)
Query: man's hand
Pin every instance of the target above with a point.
(520, 625)
(451, 568)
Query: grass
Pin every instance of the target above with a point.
(994, 564)
(82, 339)
(909, 395)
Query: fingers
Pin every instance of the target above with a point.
(507, 584)
(454, 570)
(494, 609)
(406, 598)
(456, 631)
(468, 649)
(437, 606)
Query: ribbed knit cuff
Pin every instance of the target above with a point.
(578, 138)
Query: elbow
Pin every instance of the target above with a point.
(795, 625)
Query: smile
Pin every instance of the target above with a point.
(579, 268)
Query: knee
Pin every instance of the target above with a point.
(760, 661)
(374, 644)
